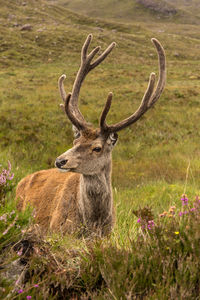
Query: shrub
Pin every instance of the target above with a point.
(5, 177)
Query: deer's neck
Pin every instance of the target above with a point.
(96, 202)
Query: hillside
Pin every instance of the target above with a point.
(190, 6)
(137, 10)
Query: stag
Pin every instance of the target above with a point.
(76, 196)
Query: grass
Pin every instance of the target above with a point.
(150, 162)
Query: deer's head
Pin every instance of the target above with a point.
(92, 148)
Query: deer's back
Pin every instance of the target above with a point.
(49, 192)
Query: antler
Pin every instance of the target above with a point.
(86, 66)
(150, 96)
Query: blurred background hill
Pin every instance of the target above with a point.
(138, 10)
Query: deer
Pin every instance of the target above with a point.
(76, 195)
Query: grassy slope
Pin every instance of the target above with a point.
(191, 6)
(134, 11)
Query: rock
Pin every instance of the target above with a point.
(159, 7)
(16, 25)
(99, 28)
(193, 77)
(176, 54)
(27, 27)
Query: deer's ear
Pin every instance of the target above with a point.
(112, 139)
(76, 132)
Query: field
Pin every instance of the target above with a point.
(155, 161)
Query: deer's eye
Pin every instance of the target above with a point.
(96, 149)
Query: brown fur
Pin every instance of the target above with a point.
(42, 190)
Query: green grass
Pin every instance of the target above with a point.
(150, 161)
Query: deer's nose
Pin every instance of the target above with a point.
(60, 162)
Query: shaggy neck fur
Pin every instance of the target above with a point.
(96, 202)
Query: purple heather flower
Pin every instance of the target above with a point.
(5, 175)
(184, 200)
(3, 217)
(19, 253)
(2, 179)
(180, 214)
(28, 297)
(139, 220)
(20, 291)
(36, 285)
(151, 224)
(193, 209)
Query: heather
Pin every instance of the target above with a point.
(157, 258)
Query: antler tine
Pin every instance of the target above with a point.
(61, 86)
(103, 55)
(79, 125)
(149, 97)
(162, 72)
(62, 90)
(86, 46)
(105, 111)
(140, 111)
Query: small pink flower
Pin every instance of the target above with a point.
(36, 285)
(139, 220)
(19, 253)
(184, 200)
(6, 231)
(151, 224)
(193, 209)
(20, 291)
(3, 218)
(28, 297)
